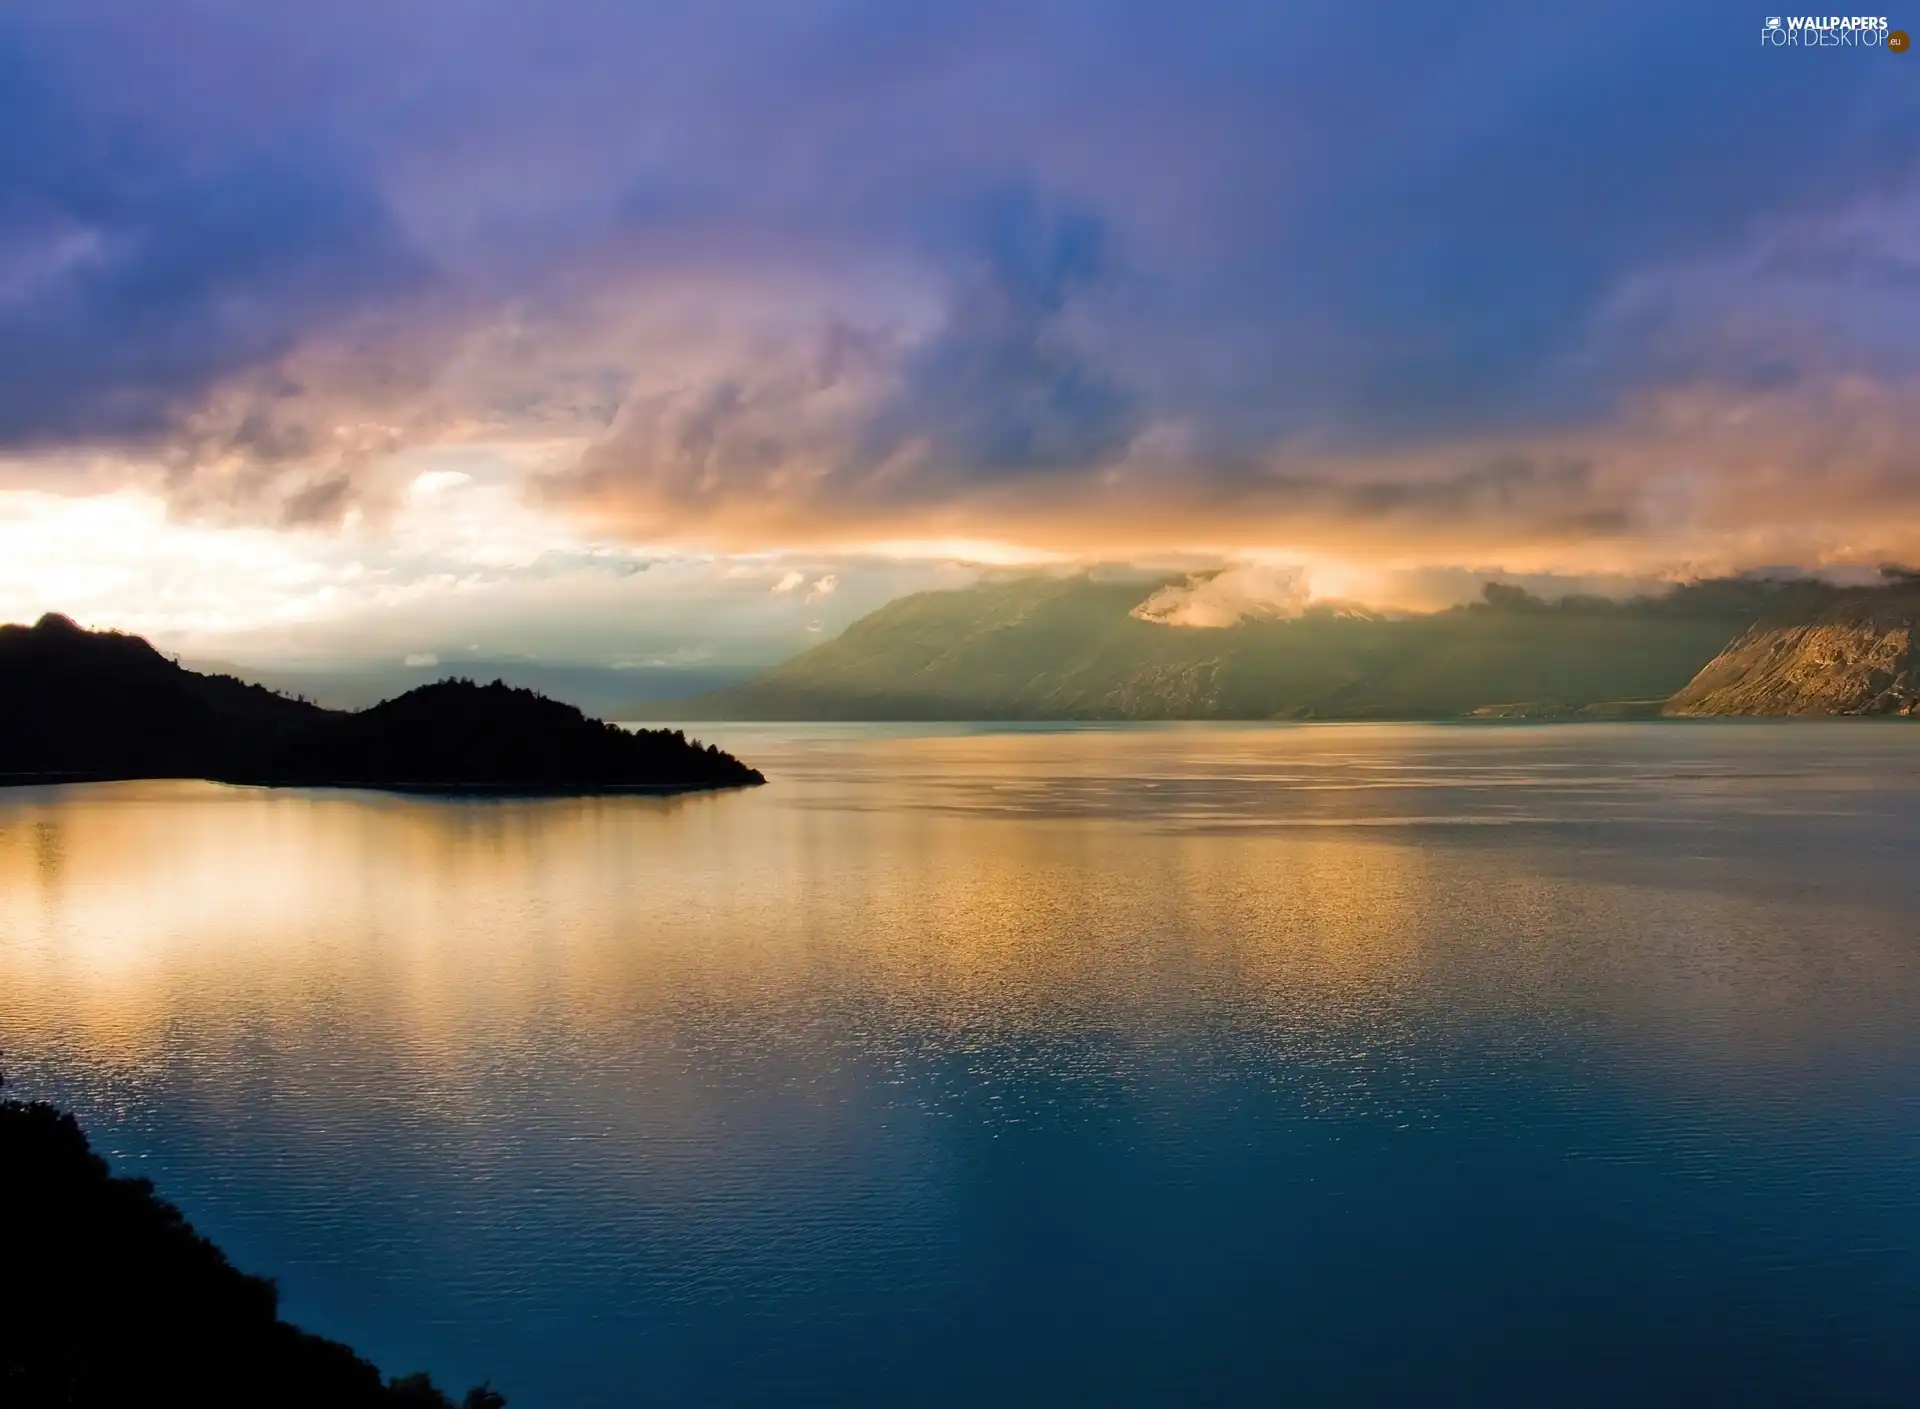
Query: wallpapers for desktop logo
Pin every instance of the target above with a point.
(1832, 32)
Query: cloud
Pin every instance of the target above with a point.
(756, 420)
(1229, 597)
(464, 570)
(1488, 280)
(144, 272)
(420, 659)
(824, 586)
(788, 583)
(1001, 388)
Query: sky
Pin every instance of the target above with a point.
(625, 332)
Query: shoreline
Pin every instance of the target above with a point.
(408, 789)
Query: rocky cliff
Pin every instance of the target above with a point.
(1853, 656)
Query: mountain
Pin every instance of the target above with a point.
(108, 1297)
(1851, 651)
(79, 705)
(1071, 648)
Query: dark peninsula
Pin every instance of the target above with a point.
(459, 736)
(81, 706)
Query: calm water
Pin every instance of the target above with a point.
(1176, 1066)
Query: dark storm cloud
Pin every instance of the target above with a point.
(134, 275)
(944, 250)
(998, 390)
(1491, 187)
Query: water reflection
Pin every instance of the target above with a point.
(1136, 1064)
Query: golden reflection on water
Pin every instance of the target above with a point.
(1002, 887)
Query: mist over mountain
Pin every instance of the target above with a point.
(1081, 648)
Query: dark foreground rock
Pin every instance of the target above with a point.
(109, 1299)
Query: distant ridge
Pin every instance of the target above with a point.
(79, 705)
(1071, 648)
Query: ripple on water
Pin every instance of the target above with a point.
(1379, 1064)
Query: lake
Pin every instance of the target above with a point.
(1183, 1065)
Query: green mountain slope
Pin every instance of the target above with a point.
(1051, 648)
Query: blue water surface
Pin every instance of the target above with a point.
(1359, 1065)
